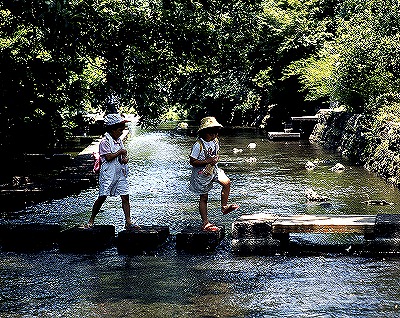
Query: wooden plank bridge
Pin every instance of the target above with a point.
(357, 224)
(269, 233)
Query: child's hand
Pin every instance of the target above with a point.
(122, 152)
(213, 160)
(124, 159)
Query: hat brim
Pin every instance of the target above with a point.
(213, 126)
(120, 122)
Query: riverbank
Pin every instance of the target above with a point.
(46, 177)
(358, 138)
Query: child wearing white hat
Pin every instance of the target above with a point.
(205, 171)
(113, 168)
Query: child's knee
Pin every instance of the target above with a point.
(226, 183)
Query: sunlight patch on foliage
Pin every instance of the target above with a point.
(315, 74)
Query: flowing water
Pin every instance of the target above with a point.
(270, 179)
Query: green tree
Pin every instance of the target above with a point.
(213, 66)
(291, 31)
(362, 63)
(231, 59)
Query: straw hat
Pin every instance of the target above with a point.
(113, 119)
(209, 122)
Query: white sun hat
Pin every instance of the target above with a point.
(113, 119)
(209, 122)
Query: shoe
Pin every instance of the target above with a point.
(87, 226)
(210, 228)
(230, 208)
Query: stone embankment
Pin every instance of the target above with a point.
(50, 177)
(357, 137)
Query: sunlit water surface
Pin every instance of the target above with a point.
(270, 179)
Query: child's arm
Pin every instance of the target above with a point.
(105, 150)
(198, 163)
(111, 156)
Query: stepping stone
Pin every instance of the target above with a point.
(252, 235)
(60, 160)
(387, 226)
(254, 226)
(254, 246)
(193, 239)
(145, 239)
(81, 240)
(14, 199)
(29, 237)
(386, 240)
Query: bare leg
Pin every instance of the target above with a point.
(203, 208)
(126, 207)
(96, 208)
(226, 188)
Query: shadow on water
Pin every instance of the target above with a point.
(270, 178)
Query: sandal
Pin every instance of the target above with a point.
(230, 208)
(210, 228)
(87, 226)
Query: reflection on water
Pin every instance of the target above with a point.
(220, 284)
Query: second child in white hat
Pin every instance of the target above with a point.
(113, 169)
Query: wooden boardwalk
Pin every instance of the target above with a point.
(305, 118)
(269, 233)
(277, 135)
(358, 224)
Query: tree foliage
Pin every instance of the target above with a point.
(361, 63)
(230, 59)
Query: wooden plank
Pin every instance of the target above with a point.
(260, 217)
(359, 224)
(282, 135)
(305, 118)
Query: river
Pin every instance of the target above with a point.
(270, 179)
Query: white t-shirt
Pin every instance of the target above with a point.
(210, 149)
(106, 148)
(113, 174)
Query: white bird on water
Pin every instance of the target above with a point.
(236, 150)
(310, 165)
(251, 160)
(337, 167)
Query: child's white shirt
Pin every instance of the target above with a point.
(109, 145)
(113, 174)
(211, 149)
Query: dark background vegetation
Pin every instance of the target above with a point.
(245, 62)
